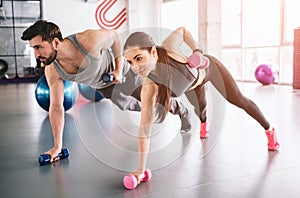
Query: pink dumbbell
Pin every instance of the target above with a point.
(130, 180)
(198, 61)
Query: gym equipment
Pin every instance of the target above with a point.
(130, 180)
(39, 70)
(89, 93)
(107, 77)
(44, 159)
(42, 93)
(3, 67)
(264, 74)
(198, 61)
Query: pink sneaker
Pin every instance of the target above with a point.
(273, 144)
(203, 131)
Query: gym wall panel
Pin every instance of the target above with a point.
(6, 40)
(296, 64)
(20, 44)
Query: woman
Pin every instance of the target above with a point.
(166, 73)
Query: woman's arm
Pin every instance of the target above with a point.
(177, 38)
(173, 45)
(148, 94)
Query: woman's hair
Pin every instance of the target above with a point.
(145, 42)
(47, 30)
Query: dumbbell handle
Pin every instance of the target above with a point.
(108, 78)
(44, 159)
(130, 180)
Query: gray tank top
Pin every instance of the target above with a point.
(91, 75)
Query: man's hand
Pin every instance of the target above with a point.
(117, 76)
(53, 152)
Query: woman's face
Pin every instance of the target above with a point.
(141, 61)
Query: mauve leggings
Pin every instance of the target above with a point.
(222, 80)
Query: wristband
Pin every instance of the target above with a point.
(197, 50)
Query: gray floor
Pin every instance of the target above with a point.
(232, 162)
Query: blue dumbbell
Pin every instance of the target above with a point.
(107, 77)
(44, 159)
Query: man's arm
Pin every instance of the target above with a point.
(116, 49)
(97, 40)
(56, 109)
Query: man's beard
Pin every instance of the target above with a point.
(50, 59)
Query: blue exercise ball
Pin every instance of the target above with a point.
(90, 93)
(42, 93)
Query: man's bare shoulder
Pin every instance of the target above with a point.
(93, 38)
(95, 34)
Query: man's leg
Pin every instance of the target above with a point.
(131, 103)
(178, 108)
(124, 102)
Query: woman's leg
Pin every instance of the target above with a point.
(197, 98)
(222, 80)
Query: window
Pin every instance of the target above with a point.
(261, 23)
(292, 19)
(17, 53)
(231, 22)
(258, 32)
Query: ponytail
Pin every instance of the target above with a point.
(164, 84)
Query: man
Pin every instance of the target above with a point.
(83, 58)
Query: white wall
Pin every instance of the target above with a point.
(180, 13)
(76, 15)
(144, 13)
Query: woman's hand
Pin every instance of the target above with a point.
(140, 175)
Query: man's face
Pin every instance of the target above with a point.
(43, 50)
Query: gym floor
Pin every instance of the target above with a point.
(232, 162)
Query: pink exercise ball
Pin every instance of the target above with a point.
(264, 74)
